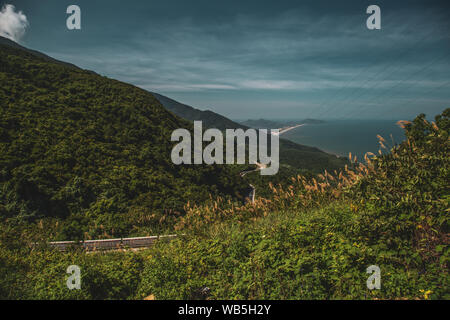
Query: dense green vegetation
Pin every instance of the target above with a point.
(83, 156)
(92, 153)
(312, 239)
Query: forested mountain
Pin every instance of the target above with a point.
(292, 155)
(73, 143)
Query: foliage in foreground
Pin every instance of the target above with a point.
(313, 239)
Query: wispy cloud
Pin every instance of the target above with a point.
(298, 59)
(13, 24)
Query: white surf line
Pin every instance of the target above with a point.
(281, 130)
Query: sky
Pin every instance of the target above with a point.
(252, 59)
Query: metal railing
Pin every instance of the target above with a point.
(111, 244)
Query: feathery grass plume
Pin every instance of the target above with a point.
(434, 125)
(362, 170)
(330, 176)
(366, 158)
(381, 141)
(322, 187)
(402, 123)
(316, 187)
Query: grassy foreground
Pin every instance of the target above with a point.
(313, 239)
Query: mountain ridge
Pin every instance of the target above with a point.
(210, 119)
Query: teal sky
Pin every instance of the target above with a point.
(261, 59)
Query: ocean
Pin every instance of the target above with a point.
(343, 136)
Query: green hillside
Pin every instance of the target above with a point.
(83, 156)
(78, 145)
(314, 239)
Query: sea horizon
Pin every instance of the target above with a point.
(339, 137)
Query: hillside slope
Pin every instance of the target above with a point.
(315, 239)
(73, 143)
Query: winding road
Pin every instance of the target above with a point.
(251, 195)
(259, 166)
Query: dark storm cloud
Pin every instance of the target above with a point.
(261, 58)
